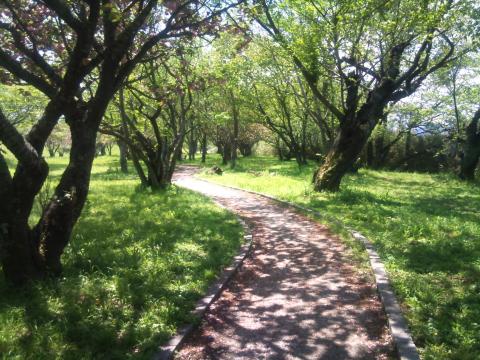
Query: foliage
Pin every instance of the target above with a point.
(23, 104)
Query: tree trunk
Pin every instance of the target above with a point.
(380, 155)
(300, 157)
(52, 232)
(192, 145)
(471, 149)
(138, 168)
(246, 149)
(18, 253)
(179, 153)
(355, 130)
(123, 157)
(61, 214)
(204, 148)
(342, 156)
(235, 130)
(303, 145)
(227, 153)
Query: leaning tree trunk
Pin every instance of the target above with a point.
(355, 130)
(353, 135)
(341, 158)
(138, 168)
(471, 151)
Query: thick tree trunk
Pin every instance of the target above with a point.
(53, 230)
(61, 214)
(342, 156)
(471, 149)
(18, 251)
(469, 164)
(356, 126)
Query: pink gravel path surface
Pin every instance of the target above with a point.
(298, 296)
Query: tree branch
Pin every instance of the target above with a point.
(311, 79)
(16, 69)
(64, 13)
(18, 145)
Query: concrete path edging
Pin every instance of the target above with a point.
(396, 321)
(167, 351)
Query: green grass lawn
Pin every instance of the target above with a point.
(136, 265)
(426, 229)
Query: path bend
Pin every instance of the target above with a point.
(298, 296)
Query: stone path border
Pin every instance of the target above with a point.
(167, 351)
(396, 321)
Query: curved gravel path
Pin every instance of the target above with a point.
(298, 296)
